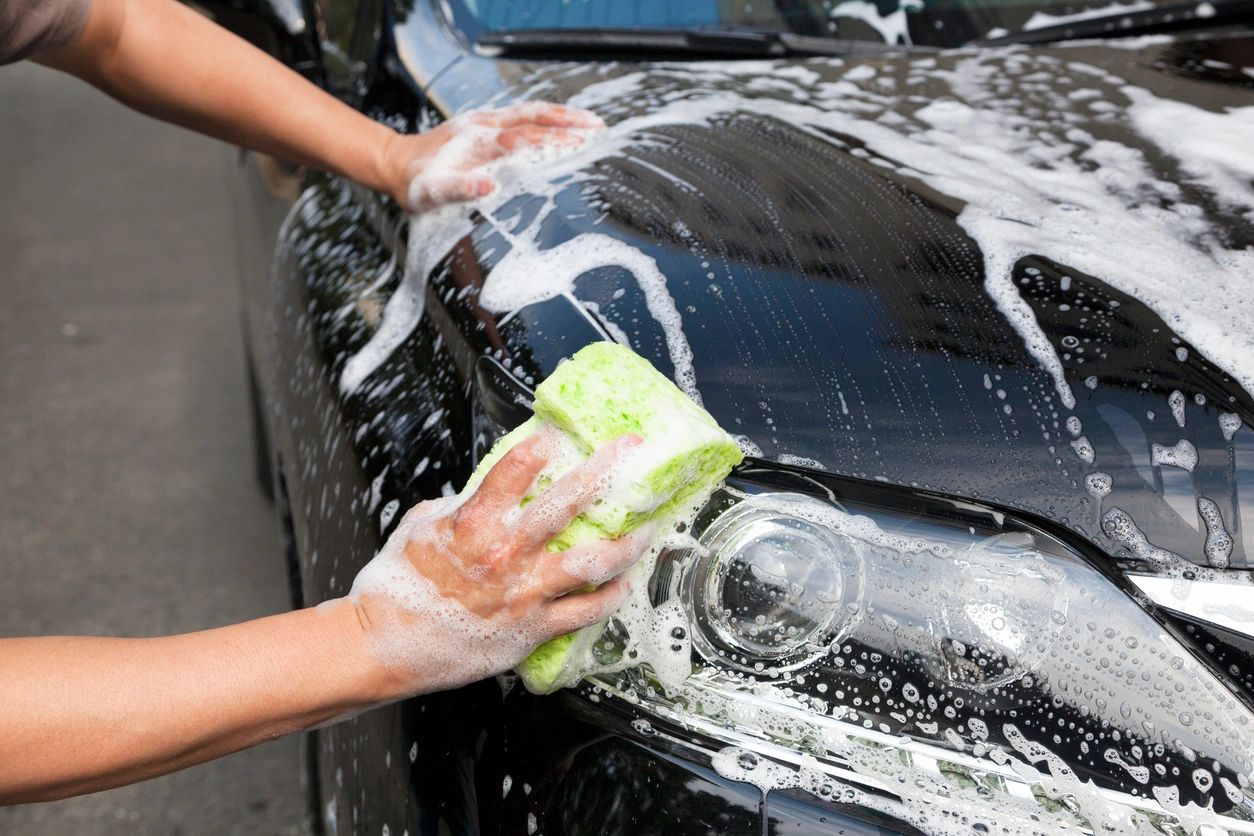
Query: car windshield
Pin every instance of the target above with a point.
(938, 23)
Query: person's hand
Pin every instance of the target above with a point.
(445, 164)
(465, 590)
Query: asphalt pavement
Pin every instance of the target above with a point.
(127, 500)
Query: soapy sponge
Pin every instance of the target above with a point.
(605, 391)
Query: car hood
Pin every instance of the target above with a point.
(1015, 275)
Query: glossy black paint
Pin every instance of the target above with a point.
(868, 355)
(868, 351)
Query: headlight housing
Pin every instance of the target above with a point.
(922, 656)
(773, 589)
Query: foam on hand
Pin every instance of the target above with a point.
(472, 169)
(606, 391)
(478, 155)
(426, 636)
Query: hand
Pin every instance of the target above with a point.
(445, 164)
(463, 590)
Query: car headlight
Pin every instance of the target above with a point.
(931, 657)
(772, 587)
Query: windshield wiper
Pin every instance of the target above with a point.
(1178, 17)
(626, 43)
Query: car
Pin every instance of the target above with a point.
(970, 284)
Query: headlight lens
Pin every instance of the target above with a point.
(772, 588)
(982, 652)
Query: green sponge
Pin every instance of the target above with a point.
(601, 393)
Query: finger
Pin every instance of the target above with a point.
(509, 140)
(574, 612)
(568, 496)
(422, 514)
(592, 563)
(438, 191)
(542, 113)
(505, 485)
(528, 136)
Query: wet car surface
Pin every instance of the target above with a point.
(976, 314)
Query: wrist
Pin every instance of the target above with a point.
(366, 679)
(387, 165)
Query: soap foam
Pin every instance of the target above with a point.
(1033, 181)
(436, 641)
(527, 275)
(1218, 548)
(1098, 484)
(879, 778)
(1182, 455)
(1176, 401)
(892, 26)
(1029, 191)
(1229, 423)
(1040, 20)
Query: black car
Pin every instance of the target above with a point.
(972, 285)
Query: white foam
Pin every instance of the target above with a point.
(1098, 484)
(1229, 423)
(436, 641)
(893, 26)
(1182, 455)
(1083, 449)
(527, 275)
(1094, 205)
(1176, 401)
(1218, 548)
(1140, 774)
(1039, 20)
(431, 235)
(801, 461)
(748, 446)
(861, 72)
(439, 225)
(1213, 151)
(944, 805)
(388, 512)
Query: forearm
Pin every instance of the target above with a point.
(165, 60)
(84, 714)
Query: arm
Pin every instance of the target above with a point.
(165, 60)
(462, 590)
(84, 714)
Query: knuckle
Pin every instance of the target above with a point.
(570, 619)
(622, 554)
(518, 460)
(572, 504)
(498, 554)
(467, 519)
(552, 585)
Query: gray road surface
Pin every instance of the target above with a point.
(128, 506)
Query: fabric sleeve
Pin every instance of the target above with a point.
(29, 27)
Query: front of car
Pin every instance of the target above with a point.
(978, 317)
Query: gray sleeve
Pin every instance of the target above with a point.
(29, 27)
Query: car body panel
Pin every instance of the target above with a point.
(887, 333)
(847, 327)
